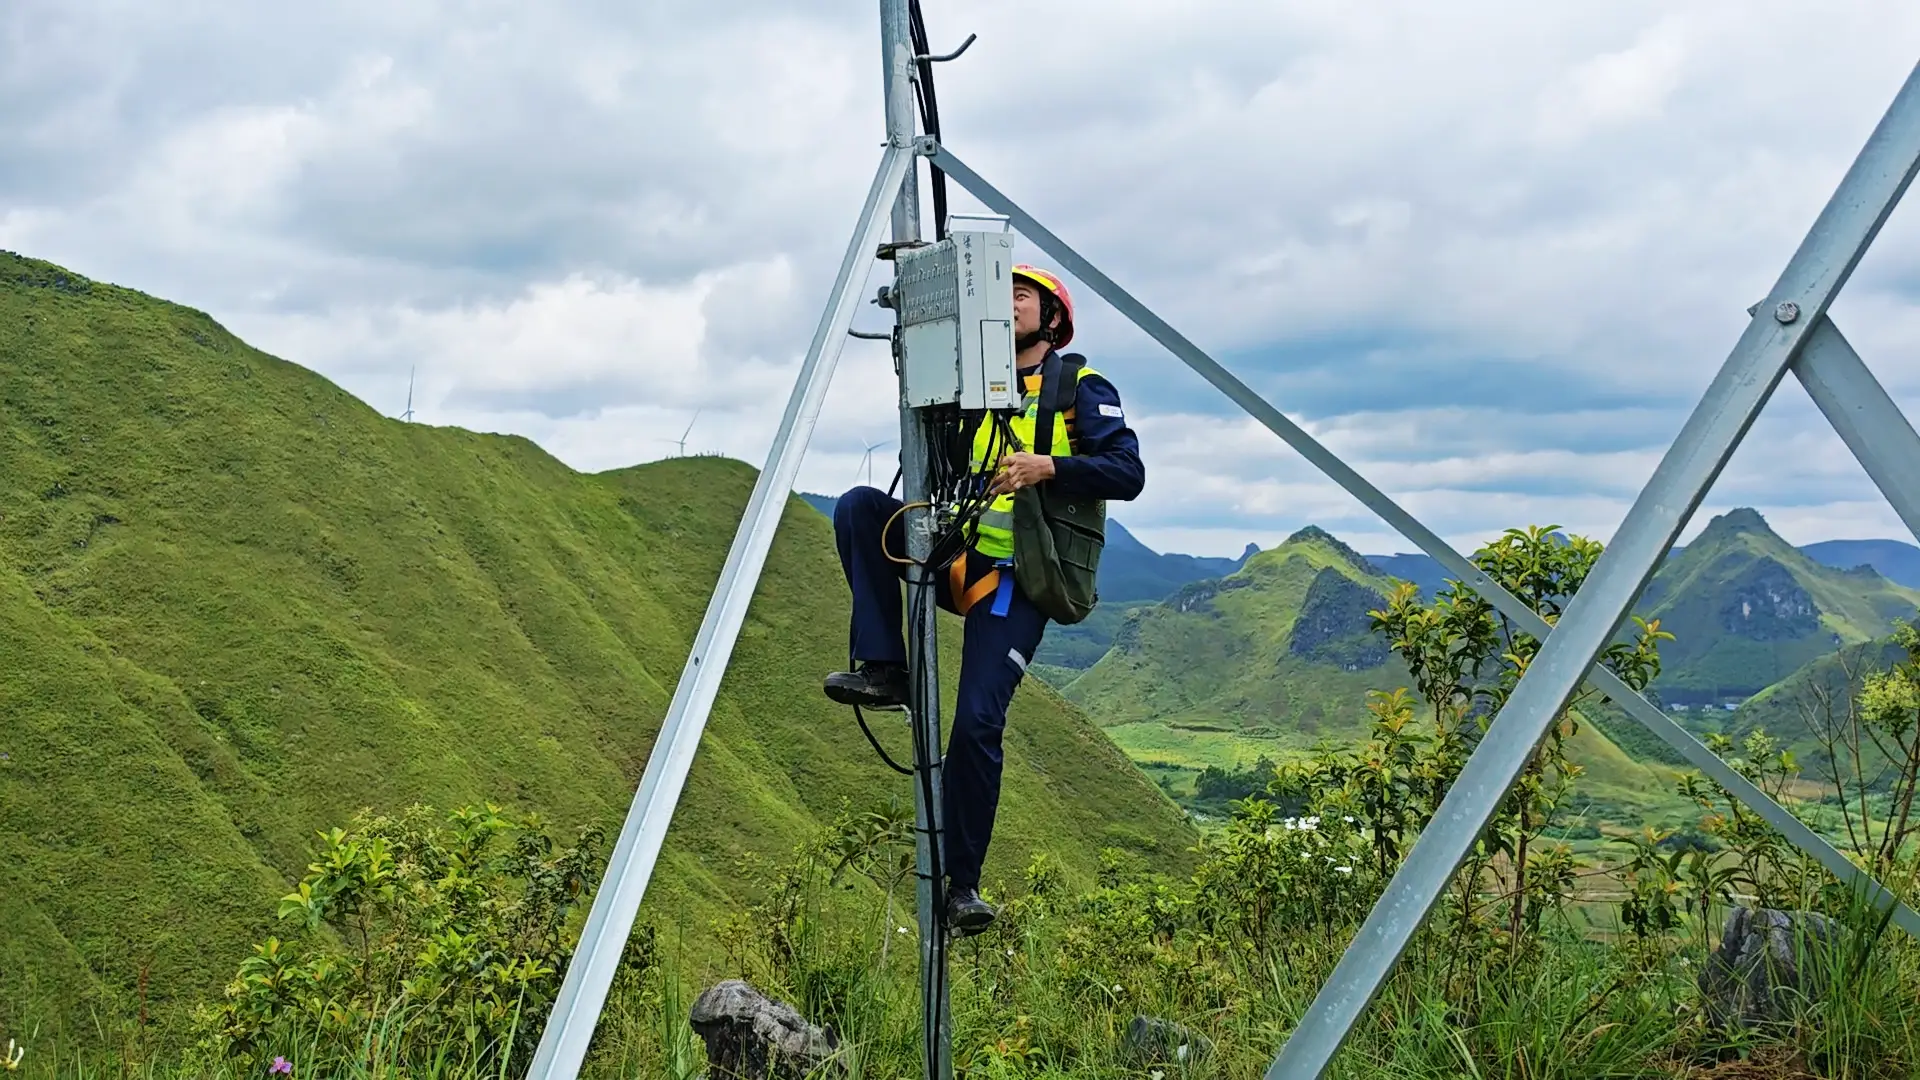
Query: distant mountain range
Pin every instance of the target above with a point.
(1279, 654)
(1748, 610)
(1856, 582)
(1895, 560)
(1276, 657)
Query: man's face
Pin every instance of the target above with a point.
(1026, 308)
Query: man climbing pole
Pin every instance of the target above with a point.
(1084, 457)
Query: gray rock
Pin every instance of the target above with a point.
(1767, 962)
(1151, 1040)
(751, 1037)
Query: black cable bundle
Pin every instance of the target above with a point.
(929, 114)
(926, 758)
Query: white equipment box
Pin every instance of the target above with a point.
(956, 314)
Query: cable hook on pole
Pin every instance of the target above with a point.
(954, 55)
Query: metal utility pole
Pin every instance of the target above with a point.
(923, 654)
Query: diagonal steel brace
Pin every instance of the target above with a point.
(1609, 684)
(583, 990)
(1773, 339)
(1867, 420)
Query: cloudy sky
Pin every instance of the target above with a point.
(1490, 252)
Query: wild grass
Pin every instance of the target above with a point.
(1051, 990)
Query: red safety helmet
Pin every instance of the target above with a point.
(1047, 282)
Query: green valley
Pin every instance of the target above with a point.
(236, 604)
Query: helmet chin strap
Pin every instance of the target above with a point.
(1027, 341)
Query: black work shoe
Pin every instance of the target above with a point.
(967, 914)
(874, 686)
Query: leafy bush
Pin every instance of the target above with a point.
(412, 936)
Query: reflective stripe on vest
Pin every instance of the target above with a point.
(996, 523)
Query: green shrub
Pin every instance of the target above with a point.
(412, 936)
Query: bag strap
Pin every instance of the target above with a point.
(1059, 382)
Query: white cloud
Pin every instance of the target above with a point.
(1491, 250)
(1616, 87)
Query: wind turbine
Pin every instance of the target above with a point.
(866, 460)
(408, 415)
(681, 442)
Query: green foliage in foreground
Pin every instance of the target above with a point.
(1234, 952)
(1537, 963)
(461, 928)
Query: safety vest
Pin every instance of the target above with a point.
(995, 538)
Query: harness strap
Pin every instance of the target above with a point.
(963, 597)
(1003, 593)
(1059, 384)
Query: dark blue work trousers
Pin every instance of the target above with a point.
(993, 660)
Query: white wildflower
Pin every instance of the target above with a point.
(1344, 869)
(1116, 988)
(1291, 824)
(14, 1053)
(900, 930)
(1349, 819)
(1009, 952)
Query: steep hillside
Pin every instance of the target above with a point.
(1795, 709)
(236, 604)
(1280, 656)
(1748, 610)
(1277, 654)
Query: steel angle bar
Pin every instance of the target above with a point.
(583, 991)
(1867, 420)
(1223, 380)
(1813, 276)
(1795, 830)
(1650, 715)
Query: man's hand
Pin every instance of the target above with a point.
(1022, 470)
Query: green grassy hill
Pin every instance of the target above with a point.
(1270, 658)
(236, 604)
(1748, 610)
(1280, 656)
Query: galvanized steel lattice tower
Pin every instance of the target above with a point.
(1789, 330)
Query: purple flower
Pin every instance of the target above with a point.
(282, 1065)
